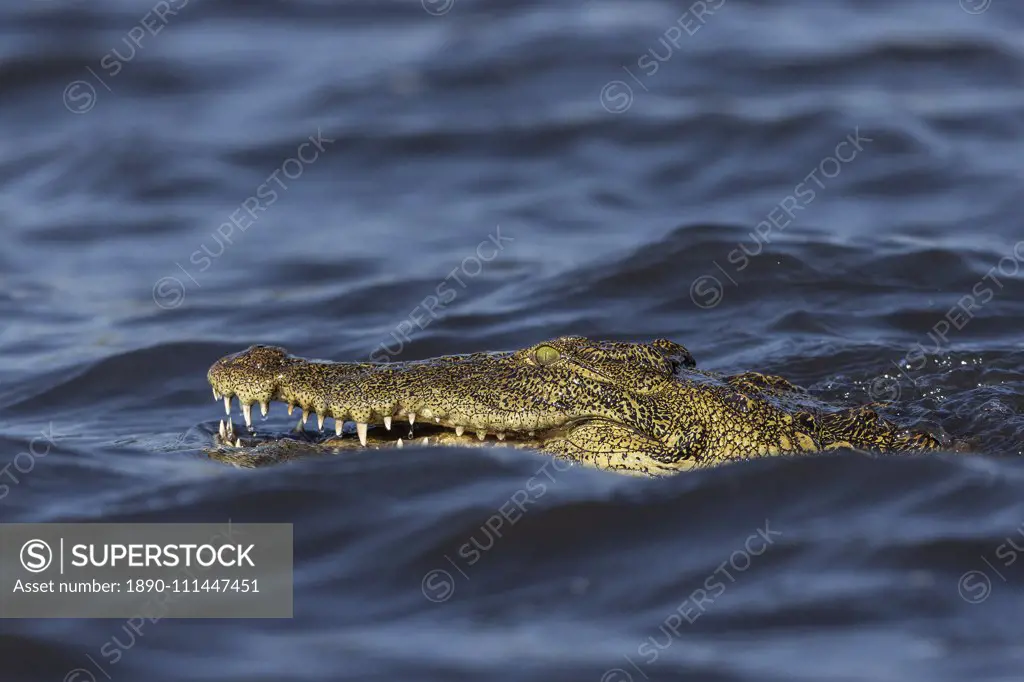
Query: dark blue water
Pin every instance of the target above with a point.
(827, 191)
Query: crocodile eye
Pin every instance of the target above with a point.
(546, 355)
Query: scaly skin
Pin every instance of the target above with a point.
(636, 408)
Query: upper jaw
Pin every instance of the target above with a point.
(376, 394)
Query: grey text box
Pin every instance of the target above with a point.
(152, 570)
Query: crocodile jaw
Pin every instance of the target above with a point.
(454, 392)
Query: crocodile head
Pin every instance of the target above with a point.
(633, 407)
(567, 392)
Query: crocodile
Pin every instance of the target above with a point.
(640, 408)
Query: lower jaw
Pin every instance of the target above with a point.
(393, 424)
(235, 435)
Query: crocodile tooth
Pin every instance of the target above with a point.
(426, 441)
(264, 408)
(247, 413)
(531, 434)
(223, 430)
(412, 418)
(387, 423)
(481, 434)
(338, 423)
(501, 436)
(320, 421)
(361, 429)
(238, 443)
(437, 419)
(459, 430)
(291, 408)
(305, 417)
(227, 404)
(399, 444)
(216, 396)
